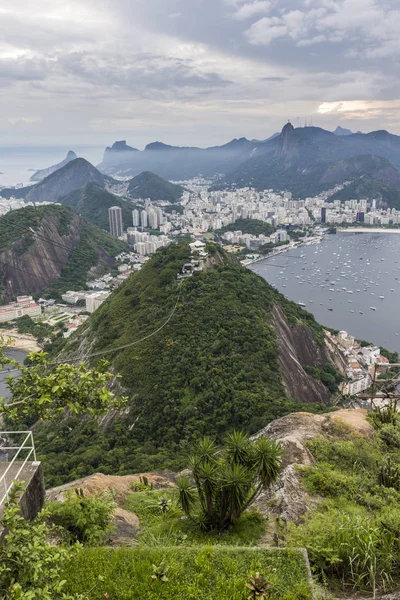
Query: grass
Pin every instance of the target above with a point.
(352, 536)
(193, 573)
(174, 528)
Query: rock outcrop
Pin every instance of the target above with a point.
(287, 499)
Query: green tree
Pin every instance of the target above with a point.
(45, 390)
(228, 480)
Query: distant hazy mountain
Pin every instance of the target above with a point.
(341, 131)
(42, 173)
(309, 160)
(92, 202)
(172, 162)
(72, 176)
(149, 185)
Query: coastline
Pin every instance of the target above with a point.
(367, 230)
(18, 341)
(283, 249)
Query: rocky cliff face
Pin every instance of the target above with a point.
(297, 347)
(41, 247)
(32, 263)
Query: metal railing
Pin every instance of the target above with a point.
(7, 479)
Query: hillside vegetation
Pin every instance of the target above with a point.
(92, 202)
(212, 368)
(253, 226)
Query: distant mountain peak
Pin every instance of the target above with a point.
(42, 173)
(157, 146)
(121, 146)
(342, 131)
(288, 141)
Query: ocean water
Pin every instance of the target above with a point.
(18, 164)
(341, 280)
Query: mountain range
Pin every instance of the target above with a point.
(303, 160)
(79, 185)
(50, 250)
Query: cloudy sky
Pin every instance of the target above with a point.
(194, 71)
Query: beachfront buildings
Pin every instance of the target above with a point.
(25, 305)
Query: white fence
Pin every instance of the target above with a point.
(8, 478)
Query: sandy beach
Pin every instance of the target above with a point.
(367, 230)
(20, 341)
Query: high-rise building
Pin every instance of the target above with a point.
(136, 218)
(143, 219)
(153, 219)
(360, 217)
(115, 220)
(323, 214)
(160, 216)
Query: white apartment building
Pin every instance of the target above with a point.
(93, 301)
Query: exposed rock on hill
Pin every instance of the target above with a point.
(42, 173)
(297, 347)
(51, 248)
(342, 131)
(287, 497)
(119, 485)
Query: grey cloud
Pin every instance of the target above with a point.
(240, 66)
(274, 79)
(152, 72)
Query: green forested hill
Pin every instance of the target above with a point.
(212, 368)
(150, 185)
(253, 226)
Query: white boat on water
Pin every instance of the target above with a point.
(372, 308)
(301, 304)
(381, 297)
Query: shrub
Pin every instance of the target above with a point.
(85, 519)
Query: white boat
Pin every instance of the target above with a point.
(301, 304)
(372, 308)
(381, 297)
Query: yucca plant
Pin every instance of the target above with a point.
(228, 480)
(160, 572)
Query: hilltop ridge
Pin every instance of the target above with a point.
(216, 363)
